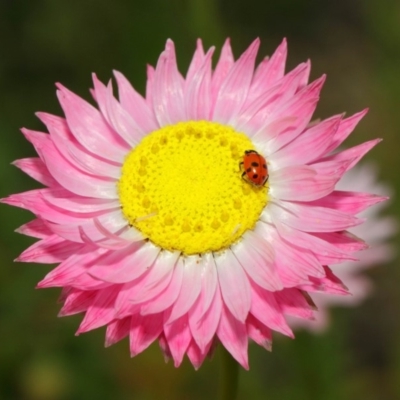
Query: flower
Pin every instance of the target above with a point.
(377, 230)
(157, 235)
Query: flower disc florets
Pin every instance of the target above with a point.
(181, 187)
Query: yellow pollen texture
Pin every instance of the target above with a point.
(182, 187)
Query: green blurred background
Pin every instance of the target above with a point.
(356, 42)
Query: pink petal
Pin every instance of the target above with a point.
(190, 289)
(198, 92)
(178, 337)
(197, 61)
(354, 153)
(222, 69)
(168, 89)
(294, 303)
(349, 202)
(259, 332)
(315, 139)
(36, 169)
(267, 310)
(76, 154)
(308, 218)
(168, 297)
(144, 331)
(36, 228)
(52, 249)
(89, 128)
(270, 71)
(234, 284)
(255, 116)
(232, 334)
(135, 105)
(158, 278)
(257, 257)
(346, 127)
(330, 284)
(325, 251)
(195, 355)
(73, 179)
(230, 98)
(125, 265)
(305, 183)
(77, 301)
(204, 325)
(117, 330)
(101, 311)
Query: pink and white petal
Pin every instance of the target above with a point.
(113, 222)
(158, 278)
(331, 284)
(209, 284)
(135, 105)
(256, 112)
(234, 284)
(315, 139)
(302, 263)
(178, 337)
(354, 154)
(52, 249)
(127, 264)
(307, 218)
(222, 69)
(144, 330)
(89, 128)
(168, 87)
(233, 336)
(36, 169)
(76, 265)
(121, 120)
(36, 228)
(74, 180)
(346, 127)
(349, 202)
(204, 325)
(258, 332)
(304, 183)
(256, 257)
(150, 87)
(266, 308)
(197, 61)
(67, 201)
(101, 311)
(294, 303)
(325, 251)
(74, 152)
(168, 297)
(117, 330)
(190, 288)
(270, 71)
(195, 355)
(35, 202)
(77, 301)
(234, 89)
(198, 92)
(344, 241)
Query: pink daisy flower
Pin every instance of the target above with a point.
(156, 213)
(377, 230)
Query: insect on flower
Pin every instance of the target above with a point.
(255, 168)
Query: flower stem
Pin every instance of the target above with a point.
(229, 375)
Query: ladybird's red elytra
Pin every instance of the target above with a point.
(255, 168)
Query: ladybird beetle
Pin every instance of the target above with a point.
(255, 168)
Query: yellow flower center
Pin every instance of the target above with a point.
(181, 186)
